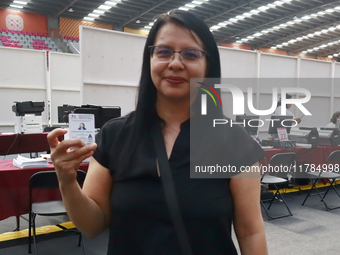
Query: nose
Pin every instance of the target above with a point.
(176, 61)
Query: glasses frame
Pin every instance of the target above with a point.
(152, 47)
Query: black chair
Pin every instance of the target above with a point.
(48, 180)
(330, 176)
(280, 160)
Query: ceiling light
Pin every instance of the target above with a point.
(110, 3)
(318, 33)
(190, 5)
(247, 14)
(89, 18)
(310, 35)
(240, 17)
(104, 7)
(197, 2)
(310, 50)
(299, 38)
(270, 29)
(329, 10)
(271, 5)
(258, 34)
(16, 6)
(70, 10)
(233, 20)
(244, 40)
(273, 48)
(99, 11)
(147, 27)
(324, 31)
(305, 37)
(335, 54)
(304, 52)
(330, 43)
(323, 46)
(278, 3)
(276, 27)
(337, 8)
(321, 13)
(306, 17)
(215, 27)
(292, 41)
(283, 25)
(291, 22)
(151, 24)
(183, 8)
(223, 24)
(314, 15)
(254, 11)
(332, 28)
(20, 2)
(263, 8)
(265, 31)
(250, 37)
(297, 20)
(138, 21)
(239, 41)
(279, 45)
(94, 15)
(316, 48)
(287, 1)
(330, 56)
(285, 44)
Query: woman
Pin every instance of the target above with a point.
(334, 119)
(288, 111)
(123, 190)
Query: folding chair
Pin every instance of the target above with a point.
(281, 160)
(48, 180)
(334, 157)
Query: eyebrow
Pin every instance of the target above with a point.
(164, 45)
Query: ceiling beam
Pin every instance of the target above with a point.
(142, 12)
(67, 6)
(265, 24)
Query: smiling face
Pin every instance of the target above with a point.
(172, 79)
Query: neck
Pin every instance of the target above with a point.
(174, 113)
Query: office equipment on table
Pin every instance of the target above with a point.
(329, 137)
(28, 119)
(304, 135)
(102, 113)
(279, 121)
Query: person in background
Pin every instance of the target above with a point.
(123, 190)
(334, 119)
(288, 111)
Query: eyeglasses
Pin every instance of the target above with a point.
(164, 54)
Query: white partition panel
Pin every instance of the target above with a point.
(337, 70)
(311, 68)
(237, 63)
(277, 66)
(22, 78)
(65, 81)
(111, 57)
(103, 95)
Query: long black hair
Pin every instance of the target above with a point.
(145, 109)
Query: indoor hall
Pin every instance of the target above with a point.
(86, 57)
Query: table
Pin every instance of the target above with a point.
(23, 143)
(14, 188)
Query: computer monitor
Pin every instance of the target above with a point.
(280, 121)
(250, 123)
(63, 112)
(101, 113)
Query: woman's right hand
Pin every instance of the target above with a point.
(66, 160)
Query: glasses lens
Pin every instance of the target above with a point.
(162, 54)
(191, 54)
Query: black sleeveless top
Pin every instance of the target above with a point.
(140, 219)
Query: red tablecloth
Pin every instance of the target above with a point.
(315, 156)
(23, 143)
(14, 188)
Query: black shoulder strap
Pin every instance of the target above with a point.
(170, 193)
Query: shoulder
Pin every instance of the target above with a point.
(118, 123)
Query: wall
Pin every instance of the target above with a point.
(70, 27)
(21, 21)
